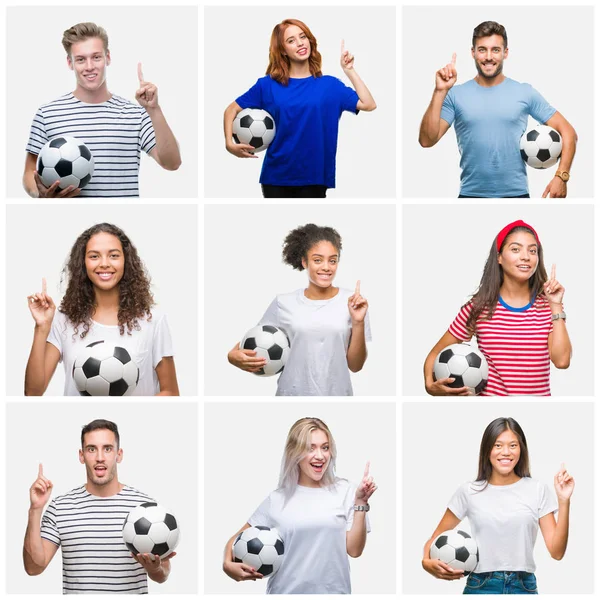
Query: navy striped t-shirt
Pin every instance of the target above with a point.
(115, 131)
(89, 530)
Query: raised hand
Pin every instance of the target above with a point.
(366, 487)
(147, 93)
(54, 191)
(357, 305)
(246, 359)
(39, 492)
(553, 290)
(445, 78)
(41, 307)
(346, 59)
(564, 484)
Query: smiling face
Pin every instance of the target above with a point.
(505, 454)
(489, 54)
(100, 455)
(89, 59)
(519, 256)
(314, 464)
(296, 44)
(321, 264)
(104, 261)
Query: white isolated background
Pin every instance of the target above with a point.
(444, 251)
(243, 272)
(39, 239)
(555, 432)
(243, 447)
(559, 65)
(236, 42)
(155, 437)
(163, 38)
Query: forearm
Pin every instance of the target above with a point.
(561, 533)
(228, 118)
(356, 538)
(364, 95)
(167, 148)
(561, 349)
(569, 143)
(429, 133)
(357, 349)
(34, 556)
(162, 574)
(29, 184)
(35, 372)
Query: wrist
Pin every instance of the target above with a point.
(357, 324)
(566, 502)
(43, 328)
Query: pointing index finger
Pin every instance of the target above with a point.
(553, 272)
(40, 470)
(357, 289)
(343, 46)
(140, 74)
(367, 467)
(453, 61)
(44, 285)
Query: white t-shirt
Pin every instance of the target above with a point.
(313, 525)
(319, 333)
(146, 347)
(504, 521)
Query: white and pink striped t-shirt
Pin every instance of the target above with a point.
(515, 344)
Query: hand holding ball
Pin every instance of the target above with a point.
(66, 160)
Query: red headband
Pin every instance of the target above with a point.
(502, 235)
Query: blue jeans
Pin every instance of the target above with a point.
(501, 582)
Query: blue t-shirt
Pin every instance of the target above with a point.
(489, 123)
(307, 113)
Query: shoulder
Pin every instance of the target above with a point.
(70, 497)
(158, 316)
(469, 488)
(134, 494)
(286, 297)
(64, 100)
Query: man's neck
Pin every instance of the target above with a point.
(104, 491)
(93, 97)
(490, 82)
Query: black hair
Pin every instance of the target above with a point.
(101, 424)
(299, 241)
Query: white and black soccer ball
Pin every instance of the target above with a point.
(67, 160)
(457, 549)
(254, 126)
(261, 548)
(271, 343)
(541, 146)
(104, 369)
(465, 363)
(149, 528)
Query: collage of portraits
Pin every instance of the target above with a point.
(299, 298)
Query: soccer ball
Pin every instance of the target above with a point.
(261, 548)
(149, 528)
(271, 343)
(254, 126)
(541, 147)
(465, 363)
(103, 369)
(66, 159)
(457, 549)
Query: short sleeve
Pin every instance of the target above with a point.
(262, 515)
(448, 111)
(458, 327)
(347, 96)
(162, 344)
(539, 108)
(459, 503)
(271, 316)
(48, 529)
(547, 502)
(147, 137)
(349, 508)
(37, 134)
(57, 333)
(252, 98)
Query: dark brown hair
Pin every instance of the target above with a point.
(488, 28)
(135, 297)
(101, 424)
(300, 240)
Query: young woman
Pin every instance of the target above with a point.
(321, 518)
(517, 316)
(306, 106)
(328, 327)
(505, 507)
(108, 298)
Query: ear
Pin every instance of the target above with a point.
(304, 263)
(120, 455)
(69, 62)
(107, 57)
(81, 457)
(506, 52)
(473, 52)
(499, 257)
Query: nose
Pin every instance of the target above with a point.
(319, 454)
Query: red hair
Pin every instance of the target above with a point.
(279, 63)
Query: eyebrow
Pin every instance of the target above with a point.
(519, 244)
(322, 255)
(97, 251)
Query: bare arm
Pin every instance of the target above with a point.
(166, 152)
(440, 387)
(557, 188)
(366, 101)
(239, 150)
(167, 377)
(236, 570)
(357, 348)
(559, 343)
(436, 567)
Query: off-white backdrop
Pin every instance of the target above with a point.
(444, 252)
(160, 458)
(366, 156)
(550, 47)
(555, 432)
(243, 446)
(164, 39)
(39, 239)
(243, 272)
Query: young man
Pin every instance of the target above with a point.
(490, 116)
(87, 524)
(114, 129)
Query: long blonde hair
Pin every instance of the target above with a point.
(297, 446)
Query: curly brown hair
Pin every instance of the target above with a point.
(79, 302)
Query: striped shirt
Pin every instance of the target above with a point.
(115, 131)
(515, 344)
(89, 530)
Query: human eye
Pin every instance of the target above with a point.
(91, 449)
(533, 251)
